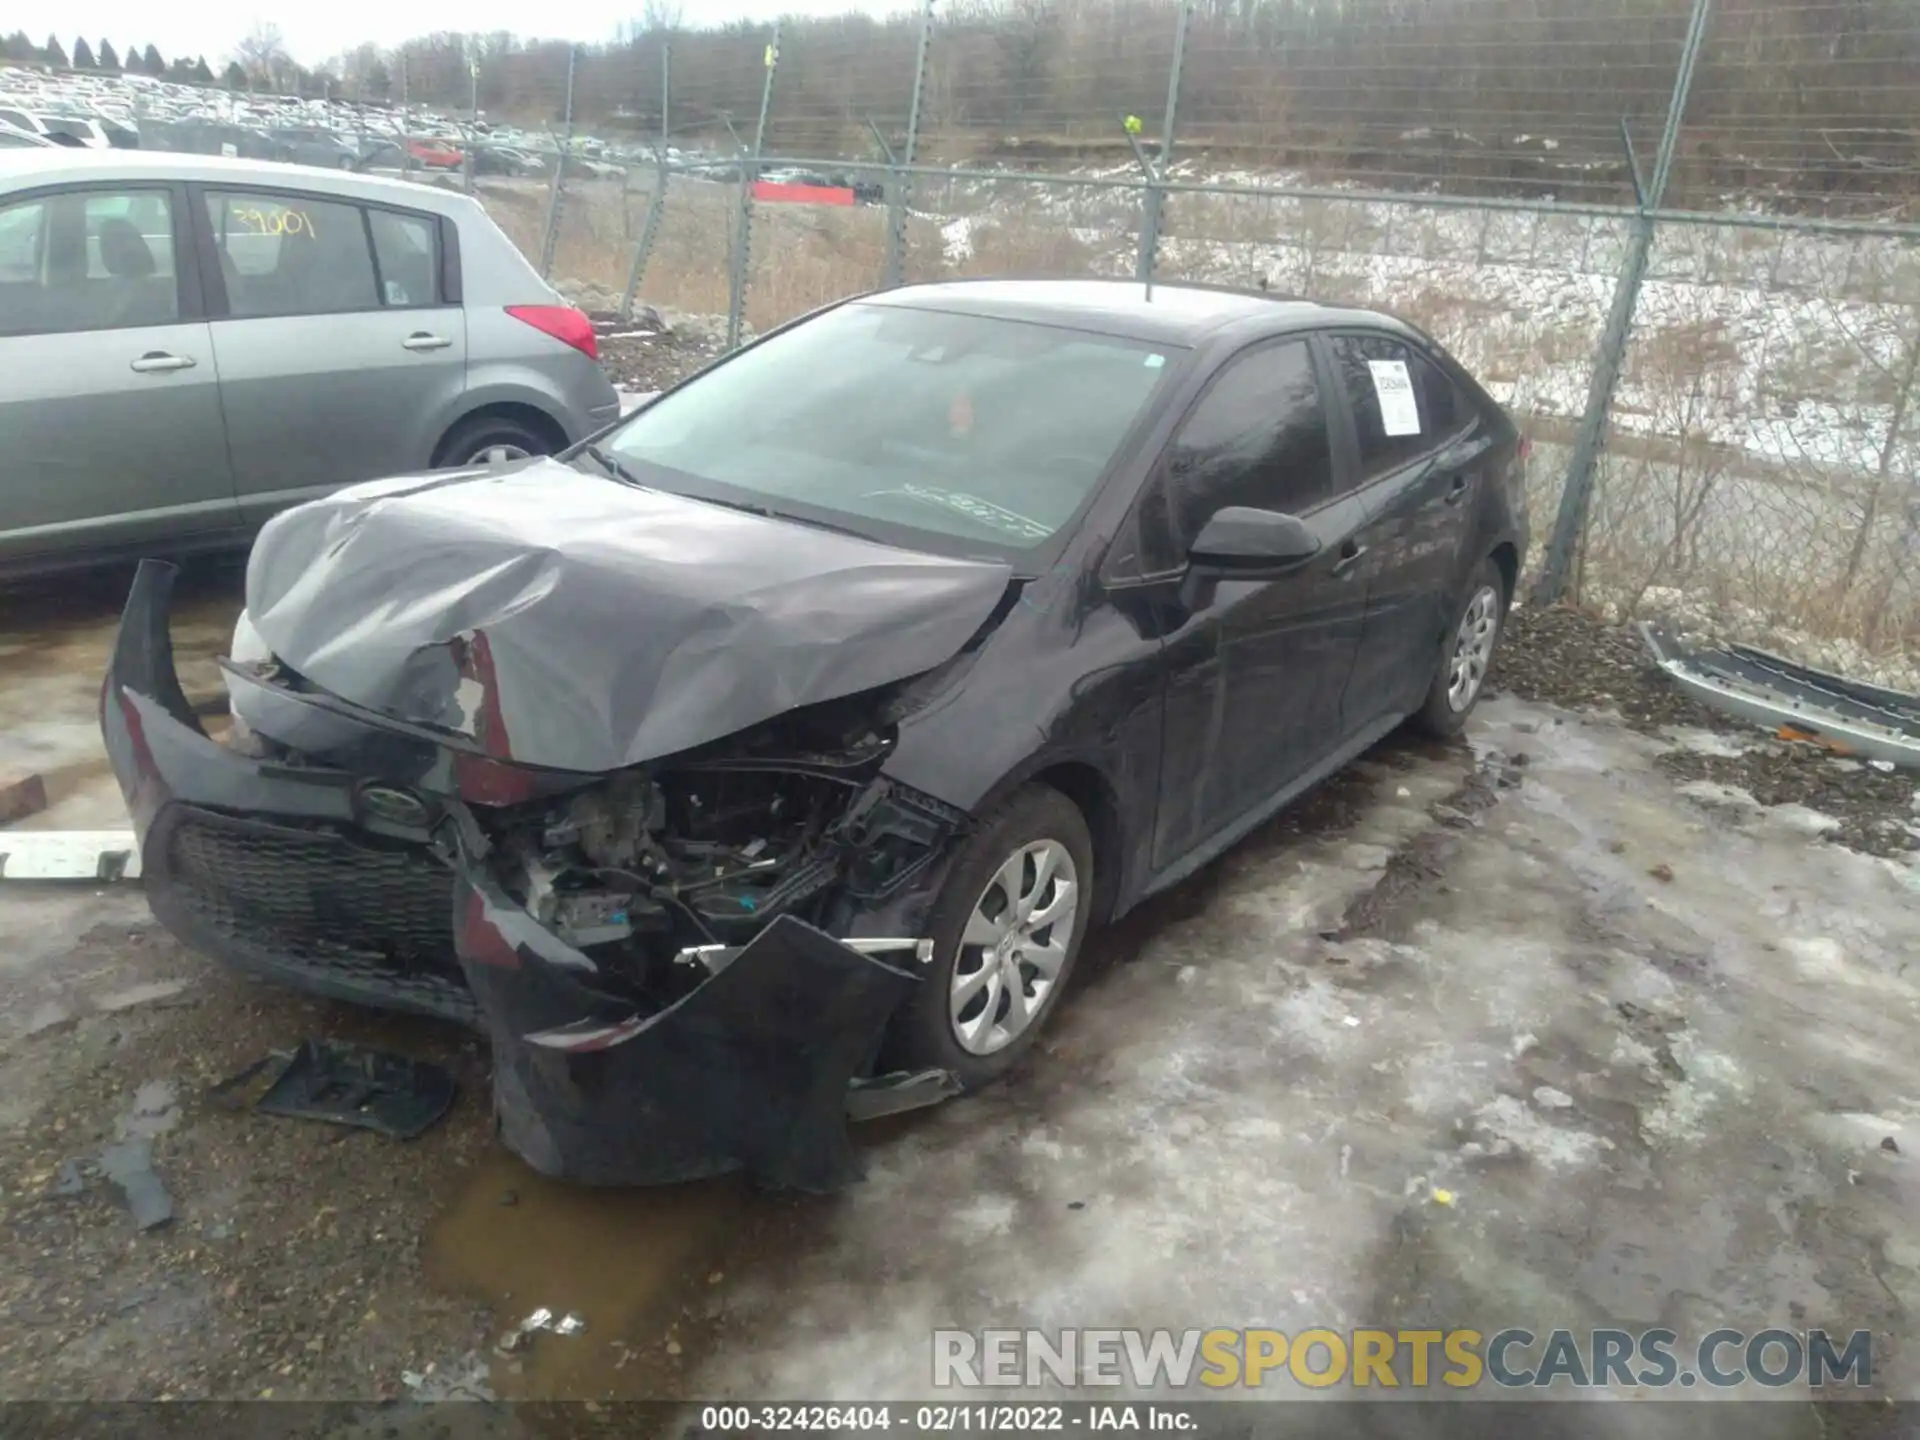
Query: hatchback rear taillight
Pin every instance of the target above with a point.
(563, 323)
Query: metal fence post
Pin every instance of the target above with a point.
(898, 182)
(741, 253)
(406, 155)
(657, 202)
(1154, 202)
(1576, 497)
(473, 110)
(550, 241)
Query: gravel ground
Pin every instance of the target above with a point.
(1567, 658)
(307, 1261)
(293, 1266)
(653, 351)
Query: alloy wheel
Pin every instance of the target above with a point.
(1014, 946)
(1473, 648)
(497, 454)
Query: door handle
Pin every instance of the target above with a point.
(421, 340)
(1350, 554)
(1457, 489)
(158, 362)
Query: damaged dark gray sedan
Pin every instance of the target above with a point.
(763, 763)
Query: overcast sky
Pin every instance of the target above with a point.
(211, 27)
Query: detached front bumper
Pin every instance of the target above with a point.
(269, 867)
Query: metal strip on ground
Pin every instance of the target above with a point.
(1780, 694)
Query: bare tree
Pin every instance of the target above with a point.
(661, 17)
(262, 53)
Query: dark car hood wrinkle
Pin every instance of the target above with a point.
(565, 620)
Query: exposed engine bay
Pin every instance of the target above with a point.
(705, 850)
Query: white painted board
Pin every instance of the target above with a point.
(69, 855)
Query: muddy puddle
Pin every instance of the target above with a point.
(649, 1271)
(645, 1270)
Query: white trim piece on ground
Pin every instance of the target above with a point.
(93, 855)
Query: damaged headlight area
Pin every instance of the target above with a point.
(651, 869)
(655, 954)
(684, 967)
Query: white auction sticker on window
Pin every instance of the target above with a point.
(1394, 387)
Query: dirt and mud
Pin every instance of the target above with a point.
(1647, 1038)
(1566, 657)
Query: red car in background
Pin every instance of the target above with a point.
(434, 154)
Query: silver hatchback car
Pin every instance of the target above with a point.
(189, 344)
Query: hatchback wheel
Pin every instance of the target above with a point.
(1007, 929)
(1466, 654)
(491, 440)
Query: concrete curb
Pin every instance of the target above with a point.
(21, 796)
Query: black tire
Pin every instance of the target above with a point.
(923, 1034)
(468, 442)
(1442, 715)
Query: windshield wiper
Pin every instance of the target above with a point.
(767, 512)
(613, 467)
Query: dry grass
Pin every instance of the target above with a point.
(1806, 543)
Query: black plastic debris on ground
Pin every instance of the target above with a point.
(351, 1085)
(129, 1164)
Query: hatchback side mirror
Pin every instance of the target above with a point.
(1240, 540)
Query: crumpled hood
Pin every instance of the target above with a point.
(566, 620)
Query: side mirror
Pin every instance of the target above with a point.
(1240, 540)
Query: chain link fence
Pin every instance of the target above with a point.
(1680, 239)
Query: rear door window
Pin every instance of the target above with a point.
(1449, 408)
(404, 246)
(291, 255)
(1390, 391)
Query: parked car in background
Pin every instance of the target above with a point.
(56, 129)
(783, 744)
(199, 135)
(325, 148)
(192, 343)
(16, 139)
(506, 160)
(434, 154)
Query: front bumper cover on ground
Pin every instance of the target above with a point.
(263, 865)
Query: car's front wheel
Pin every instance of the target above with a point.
(1007, 929)
(1466, 654)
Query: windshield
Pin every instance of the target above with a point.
(984, 431)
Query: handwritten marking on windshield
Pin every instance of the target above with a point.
(985, 511)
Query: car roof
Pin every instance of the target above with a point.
(21, 169)
(1167, 312)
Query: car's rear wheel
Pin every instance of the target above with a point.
(1007, 928)
(491, 440)
(1466, 654)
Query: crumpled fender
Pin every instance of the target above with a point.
(749, 1071)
